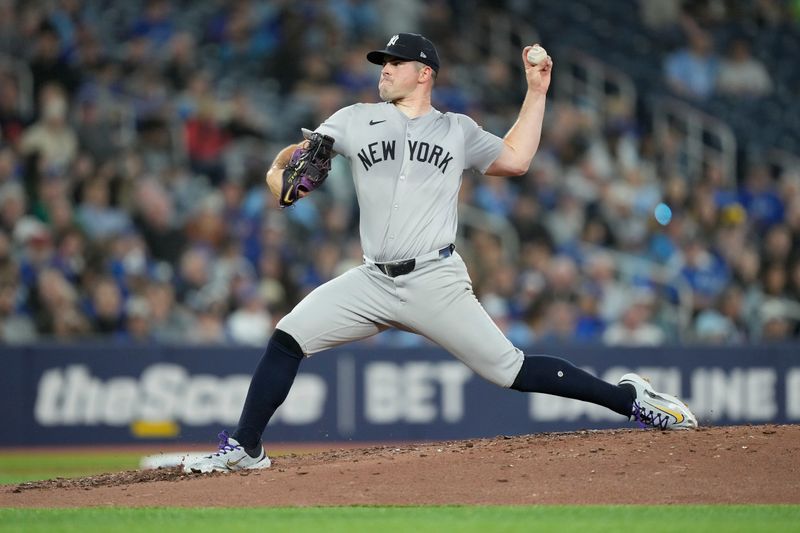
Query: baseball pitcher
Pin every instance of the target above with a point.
(407, 160)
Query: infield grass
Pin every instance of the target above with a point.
(18, 467)
(700, 518)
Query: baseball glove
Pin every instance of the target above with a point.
(307, 168)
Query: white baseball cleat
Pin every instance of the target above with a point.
(229, 458)
(656, 409)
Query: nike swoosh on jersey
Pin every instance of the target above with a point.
(373, 122)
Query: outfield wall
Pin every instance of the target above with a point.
(89, 394)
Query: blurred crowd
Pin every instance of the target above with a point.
(134, 138)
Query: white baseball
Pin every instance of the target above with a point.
(536, 54)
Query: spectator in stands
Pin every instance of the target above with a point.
(9, 166)
(499, 310)
(565, 222)
(13, 205)
(761, 198)
(589, 326)
(496, 195)
(96, 133)
(731, 235)
(70, 253)
(777, 325)
(274, 283)
(635, 328)
(612, 295)
(732, 306)
(741, 74)
(194, 274)
(250, 322)
(54, 304)
(168, 320)
(128, 261)
(10, 21)
(629, 204)
(243, 120)
(209, 309)
(777, 244)
(51, 137)
(562, 278)
(157, 221)
(206, 139)
(746, 274)
(233, 271)
(692, 71)
(87, 52)
(70, 325)
(205, 225)
(560, 321)
(712, 327)
(35, 245)
(49, 65)
(105, 308)
(155, 24)
(15, 327)
(322, 267)
(138, 322)
(97, 217)
(61, 216)
(182, 62)
(12, 119)
(596, 232)
(704, 271)
(774, 280)
(49, 189)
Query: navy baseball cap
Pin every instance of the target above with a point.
(409, 46)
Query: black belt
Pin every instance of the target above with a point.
(399, 268)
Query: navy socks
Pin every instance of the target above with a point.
(269, 387)
(278, 367)
(552, 375)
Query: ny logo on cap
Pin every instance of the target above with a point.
(392, 40)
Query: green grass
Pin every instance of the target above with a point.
(17, 467)
(581, 519)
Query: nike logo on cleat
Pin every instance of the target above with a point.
(231, 464)
(373, 122)
(676, 414)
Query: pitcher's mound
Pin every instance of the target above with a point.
(742, 464)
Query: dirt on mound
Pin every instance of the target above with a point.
(744, 464)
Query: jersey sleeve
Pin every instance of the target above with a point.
(336, 127)
(481, 147)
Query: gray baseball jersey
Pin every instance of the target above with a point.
(407, 174)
